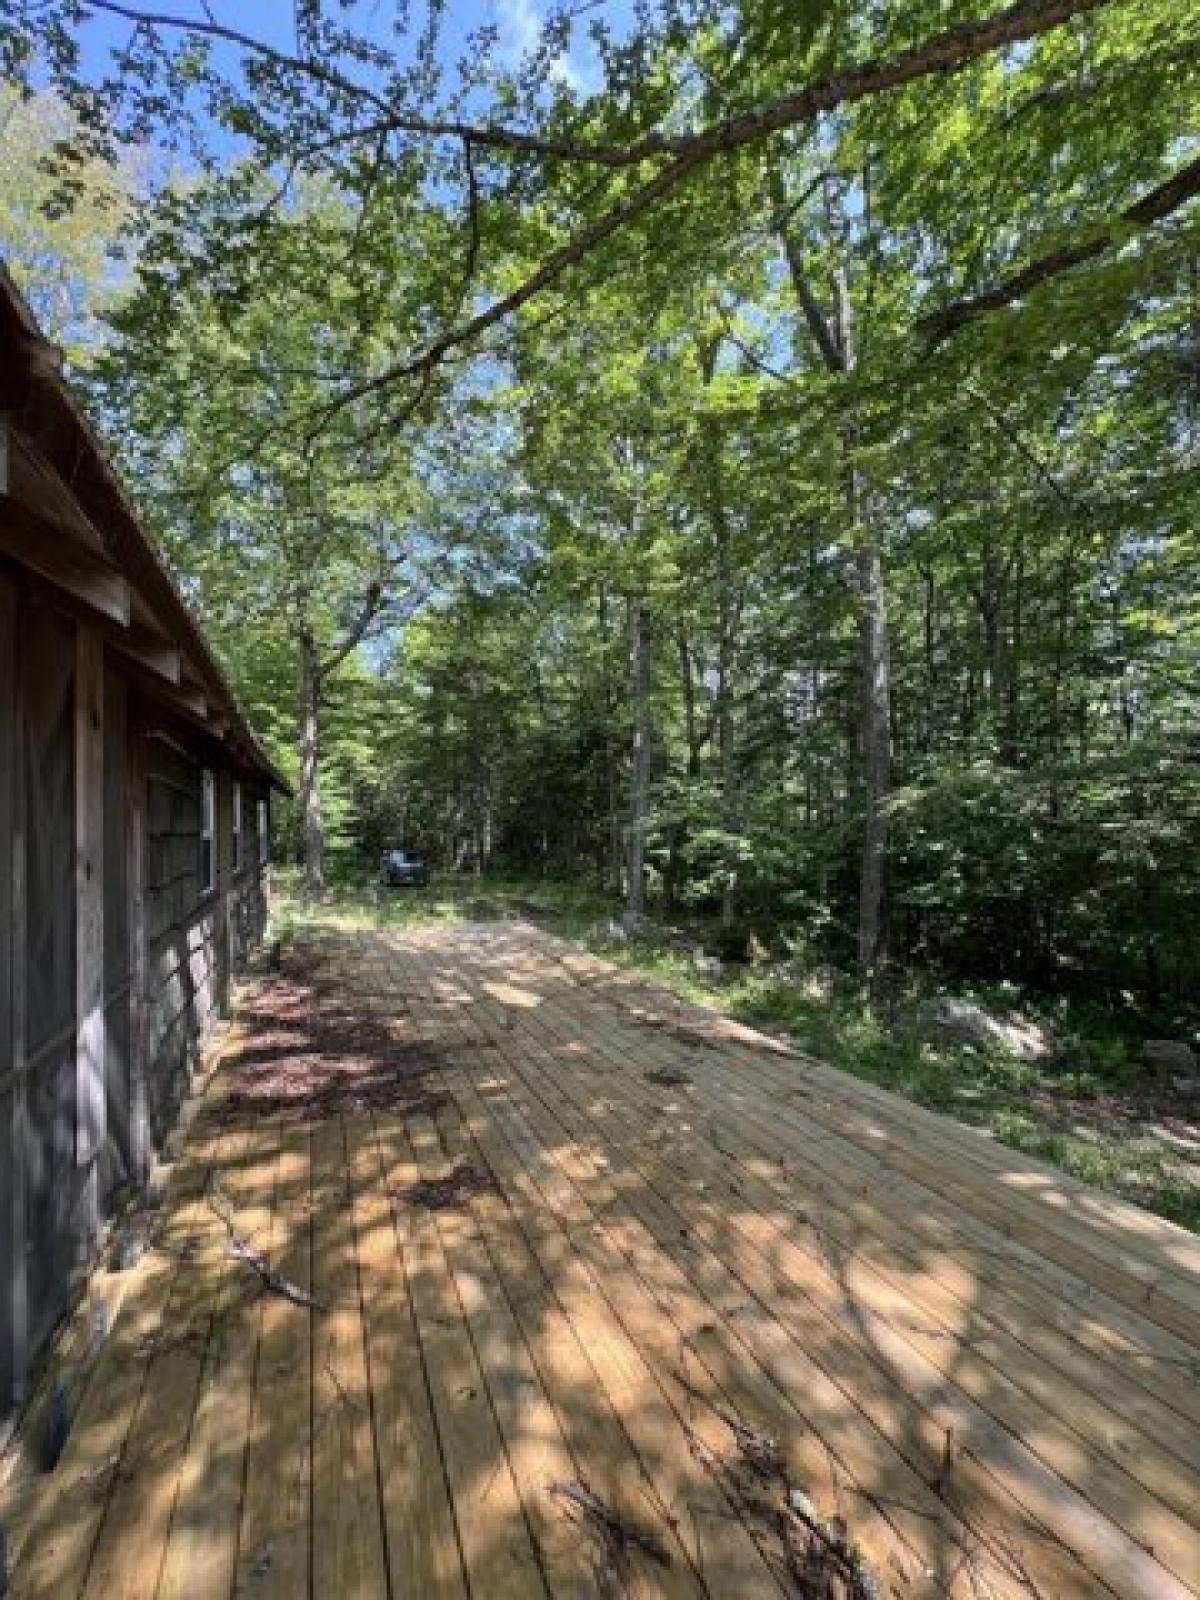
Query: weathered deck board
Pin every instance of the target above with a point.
(765, 1309)
(346, 1527)
(128, 1558)
(991, 1373)
(498, 1551)
(274, 1534)
(809, 1132)
(684, 1502)
(420, 1535)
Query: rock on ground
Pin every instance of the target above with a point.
(948, 1019)
(1167, 1058)
(709, 969)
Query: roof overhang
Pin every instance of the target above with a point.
(66, 520)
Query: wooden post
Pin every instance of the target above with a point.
(136, 836)
(262, 866)
(14, 1299)
(223, 862)
(90, 1101)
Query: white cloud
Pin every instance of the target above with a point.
(520, 24)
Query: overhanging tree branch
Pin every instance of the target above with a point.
(946, 52)
(1153, 207)
(818, 324)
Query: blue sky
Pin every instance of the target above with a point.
(516, 21)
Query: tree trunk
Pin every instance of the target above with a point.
(639, 785)
(1012, 718)
(673, 874)
(727, 642)
(487, 826)
(929, 635)
(687, 684)
(612, 871)
(726, 747)
(876, 736)
(312, 826)
(876, 708)
(839, 352)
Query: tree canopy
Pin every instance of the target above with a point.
(744, 453)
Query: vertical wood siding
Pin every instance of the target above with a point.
(54, 1184)
(114, 961)
(12, 1086)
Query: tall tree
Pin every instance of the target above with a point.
(836, 340)
(317, 541)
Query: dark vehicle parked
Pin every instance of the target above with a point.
(404, 869)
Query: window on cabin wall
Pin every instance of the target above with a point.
(208, 832)
(237, 827)
(264, 835)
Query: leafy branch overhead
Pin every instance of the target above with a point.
(342, 106)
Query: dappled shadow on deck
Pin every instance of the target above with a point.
(491, 1271)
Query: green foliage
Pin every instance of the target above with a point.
(730, 431)
(67, 244)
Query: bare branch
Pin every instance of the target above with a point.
(371, 607)
(1014, 436)
(318, 71)
(818, 323)
(751, 355)
(473, 230)
(611, 222)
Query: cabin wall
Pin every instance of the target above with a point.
(249, 881)
(122, 1150)
(49, 1190)
(46, 1202)
(196, 937)
(114, 958)
(181, 948)
(12, 1226)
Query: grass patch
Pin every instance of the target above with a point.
(361, 902)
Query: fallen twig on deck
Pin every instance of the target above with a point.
(274, 1280)
(242, 1250)
(669, 1078)
(758, 1450)
(815, 1552)
(821, 1560)
(615, 1535)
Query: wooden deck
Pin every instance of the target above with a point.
(989, 1374)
